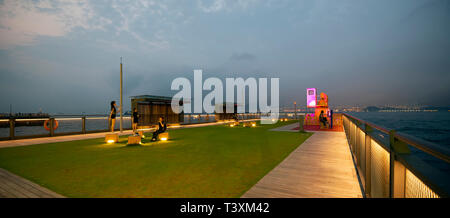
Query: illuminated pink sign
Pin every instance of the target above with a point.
(311, 97)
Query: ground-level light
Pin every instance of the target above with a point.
(134, 139)
(234, 124)
(111, 138)
(163, 136)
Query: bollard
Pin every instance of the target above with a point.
(83, 124)
(12, 127)
(300, 123)
(52, 123)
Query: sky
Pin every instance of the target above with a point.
(63, 56)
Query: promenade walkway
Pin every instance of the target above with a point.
(322, 167)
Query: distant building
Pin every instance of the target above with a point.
(226, 114)
(151, 107)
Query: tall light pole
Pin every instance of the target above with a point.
(295, 110)
(121, 96)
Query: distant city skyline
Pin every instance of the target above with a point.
(63, 57)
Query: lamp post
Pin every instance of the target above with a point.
(121, 94)
(295, 110)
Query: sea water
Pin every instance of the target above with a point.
(430, 126)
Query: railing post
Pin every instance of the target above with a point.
(357, 144)
(399, 180)
(352, 135)
(391, 163)
(12, 128)
(83, 124)
(368, 177)
(52, 123)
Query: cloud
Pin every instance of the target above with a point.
(21, 22)
(211, 6)
(242, 57)
(148, 21)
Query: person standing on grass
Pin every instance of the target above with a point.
(161, 128)
(135, 118)
(112, 116)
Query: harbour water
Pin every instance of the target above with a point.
(430, 126)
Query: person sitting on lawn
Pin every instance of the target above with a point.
(323, 119)
(162, 127)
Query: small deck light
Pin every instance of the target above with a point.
(141, 133)
(134, 139)
(111, 138)
(234, 124)
(164, 136)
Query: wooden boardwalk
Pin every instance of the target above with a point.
(13, 186)
(322, 167)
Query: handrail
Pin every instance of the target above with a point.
(392, 172)
(433, 149)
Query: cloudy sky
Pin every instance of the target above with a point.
(63, 56)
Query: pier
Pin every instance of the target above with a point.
(353, 162)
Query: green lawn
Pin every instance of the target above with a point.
(214, 161)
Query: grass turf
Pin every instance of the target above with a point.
(213, 161)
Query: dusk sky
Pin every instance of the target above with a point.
(63, 56)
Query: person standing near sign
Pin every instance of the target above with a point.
(112, 116)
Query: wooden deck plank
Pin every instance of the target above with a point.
(13, 186)
(321, 167)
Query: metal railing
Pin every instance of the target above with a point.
(388, 166)
(92, 124)
(67, 126)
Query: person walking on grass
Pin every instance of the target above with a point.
(112, 116)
